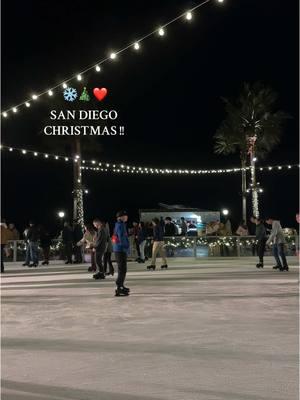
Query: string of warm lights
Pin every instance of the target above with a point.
(97, 65)
(103, 166)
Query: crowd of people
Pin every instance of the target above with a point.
(97, 241)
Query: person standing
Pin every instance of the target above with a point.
(277, 238)
(32, 254)
(158, 245)
(261, 238)
(4, 238)
(77, 236)
(100, 245)
(135, 230)
(14, 233)
(88, 240)
(170, 229)
(183, 226)
(242, 229)
(67, 238)
(45, 243)
(141, 236)
(107, 254)
(121, 248)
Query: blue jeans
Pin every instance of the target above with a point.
(278, 251)
(32, 252)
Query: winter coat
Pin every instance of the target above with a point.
(14, 234)
(33, 234)
(260, 232)
(242, 231)
(45, 240)
(77, 233)
(142, 234)
(121, 244)
(109, 246)
(170, 229)
(158, 234)
(4, 234)
(276, 235)
(67, 234)
(100, 242)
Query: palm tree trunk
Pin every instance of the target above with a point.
(254, 191)
(78, 213)
(244, 188)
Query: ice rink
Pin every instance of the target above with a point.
(213, 329)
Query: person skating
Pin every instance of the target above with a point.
(100, 244)
(87, 241)
(261, 238)
(45, 243)
(67, 238)
(4, 238)
(158, 245)
(121, 247)
(107, 255)
(141, 237)
(32, 254)
(277, 239)
(77, 236)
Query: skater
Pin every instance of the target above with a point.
(107, 254)
(183, 226)
(32, 252)
(77, 236)
(87, 241)
(67, 238)
(158, 245)
(261, 238)
(45, 243)
(4, 239)
(135, 230)
(278, 240)
(142, 241)
(121, 247)
(242, 229)
(170, 229)
(100, 245)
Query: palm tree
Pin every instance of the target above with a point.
(252, 127)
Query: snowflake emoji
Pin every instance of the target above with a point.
(70, 94)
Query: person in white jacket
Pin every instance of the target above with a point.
(277, 239)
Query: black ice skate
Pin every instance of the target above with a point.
(286, 268)
(164, 266)
(99, 276)
(276, 267)
(151, 267)
(259, 265)
(121, 291)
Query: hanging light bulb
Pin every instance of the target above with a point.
(50, 92)
(113, 56)
(35, 154)
(79, 77)
(188, 15)
(27, 104)
(136, 46)
(11, 149)
(24, 151)
(161, 32)
(34, 97)
(97, 68)
(46, 155)
(5, 115)
(64, 85)
(15, 109)
(220, 1)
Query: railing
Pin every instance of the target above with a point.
(177, 246)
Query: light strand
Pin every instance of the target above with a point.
(117, 168)
(160, 31)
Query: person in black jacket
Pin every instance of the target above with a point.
(170, 229)
(261, 238)
(158, 245)
(45, 243)
(77, 236)
(67, 238)
(32, 253)
(100, 245)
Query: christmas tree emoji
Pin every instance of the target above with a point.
(84, 95)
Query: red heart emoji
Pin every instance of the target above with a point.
(100, 93)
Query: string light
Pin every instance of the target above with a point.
(27, 104)
(5, 114)
(161, 32)
(15, 109)
(188, 15)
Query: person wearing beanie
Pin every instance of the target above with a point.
(121, 247)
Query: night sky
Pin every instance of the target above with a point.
(168, 97)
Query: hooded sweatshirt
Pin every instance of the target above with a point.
(276, 235)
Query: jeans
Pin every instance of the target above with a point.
(260, 247)
(278, 251)
(137, 248)
(142, 250)
(32, 252)
(158, 247)
(121, 259)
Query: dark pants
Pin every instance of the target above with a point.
(107, 260)
(121, 259)
(137, 246)
(99, 262)
(278, 251)
(46, 253)
(78, 254)
(260, 247)
(2, 256)
(68, 251)
(93, 260)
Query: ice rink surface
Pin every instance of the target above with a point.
(213, 329)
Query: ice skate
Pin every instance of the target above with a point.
(121, 291)
(151, 267)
